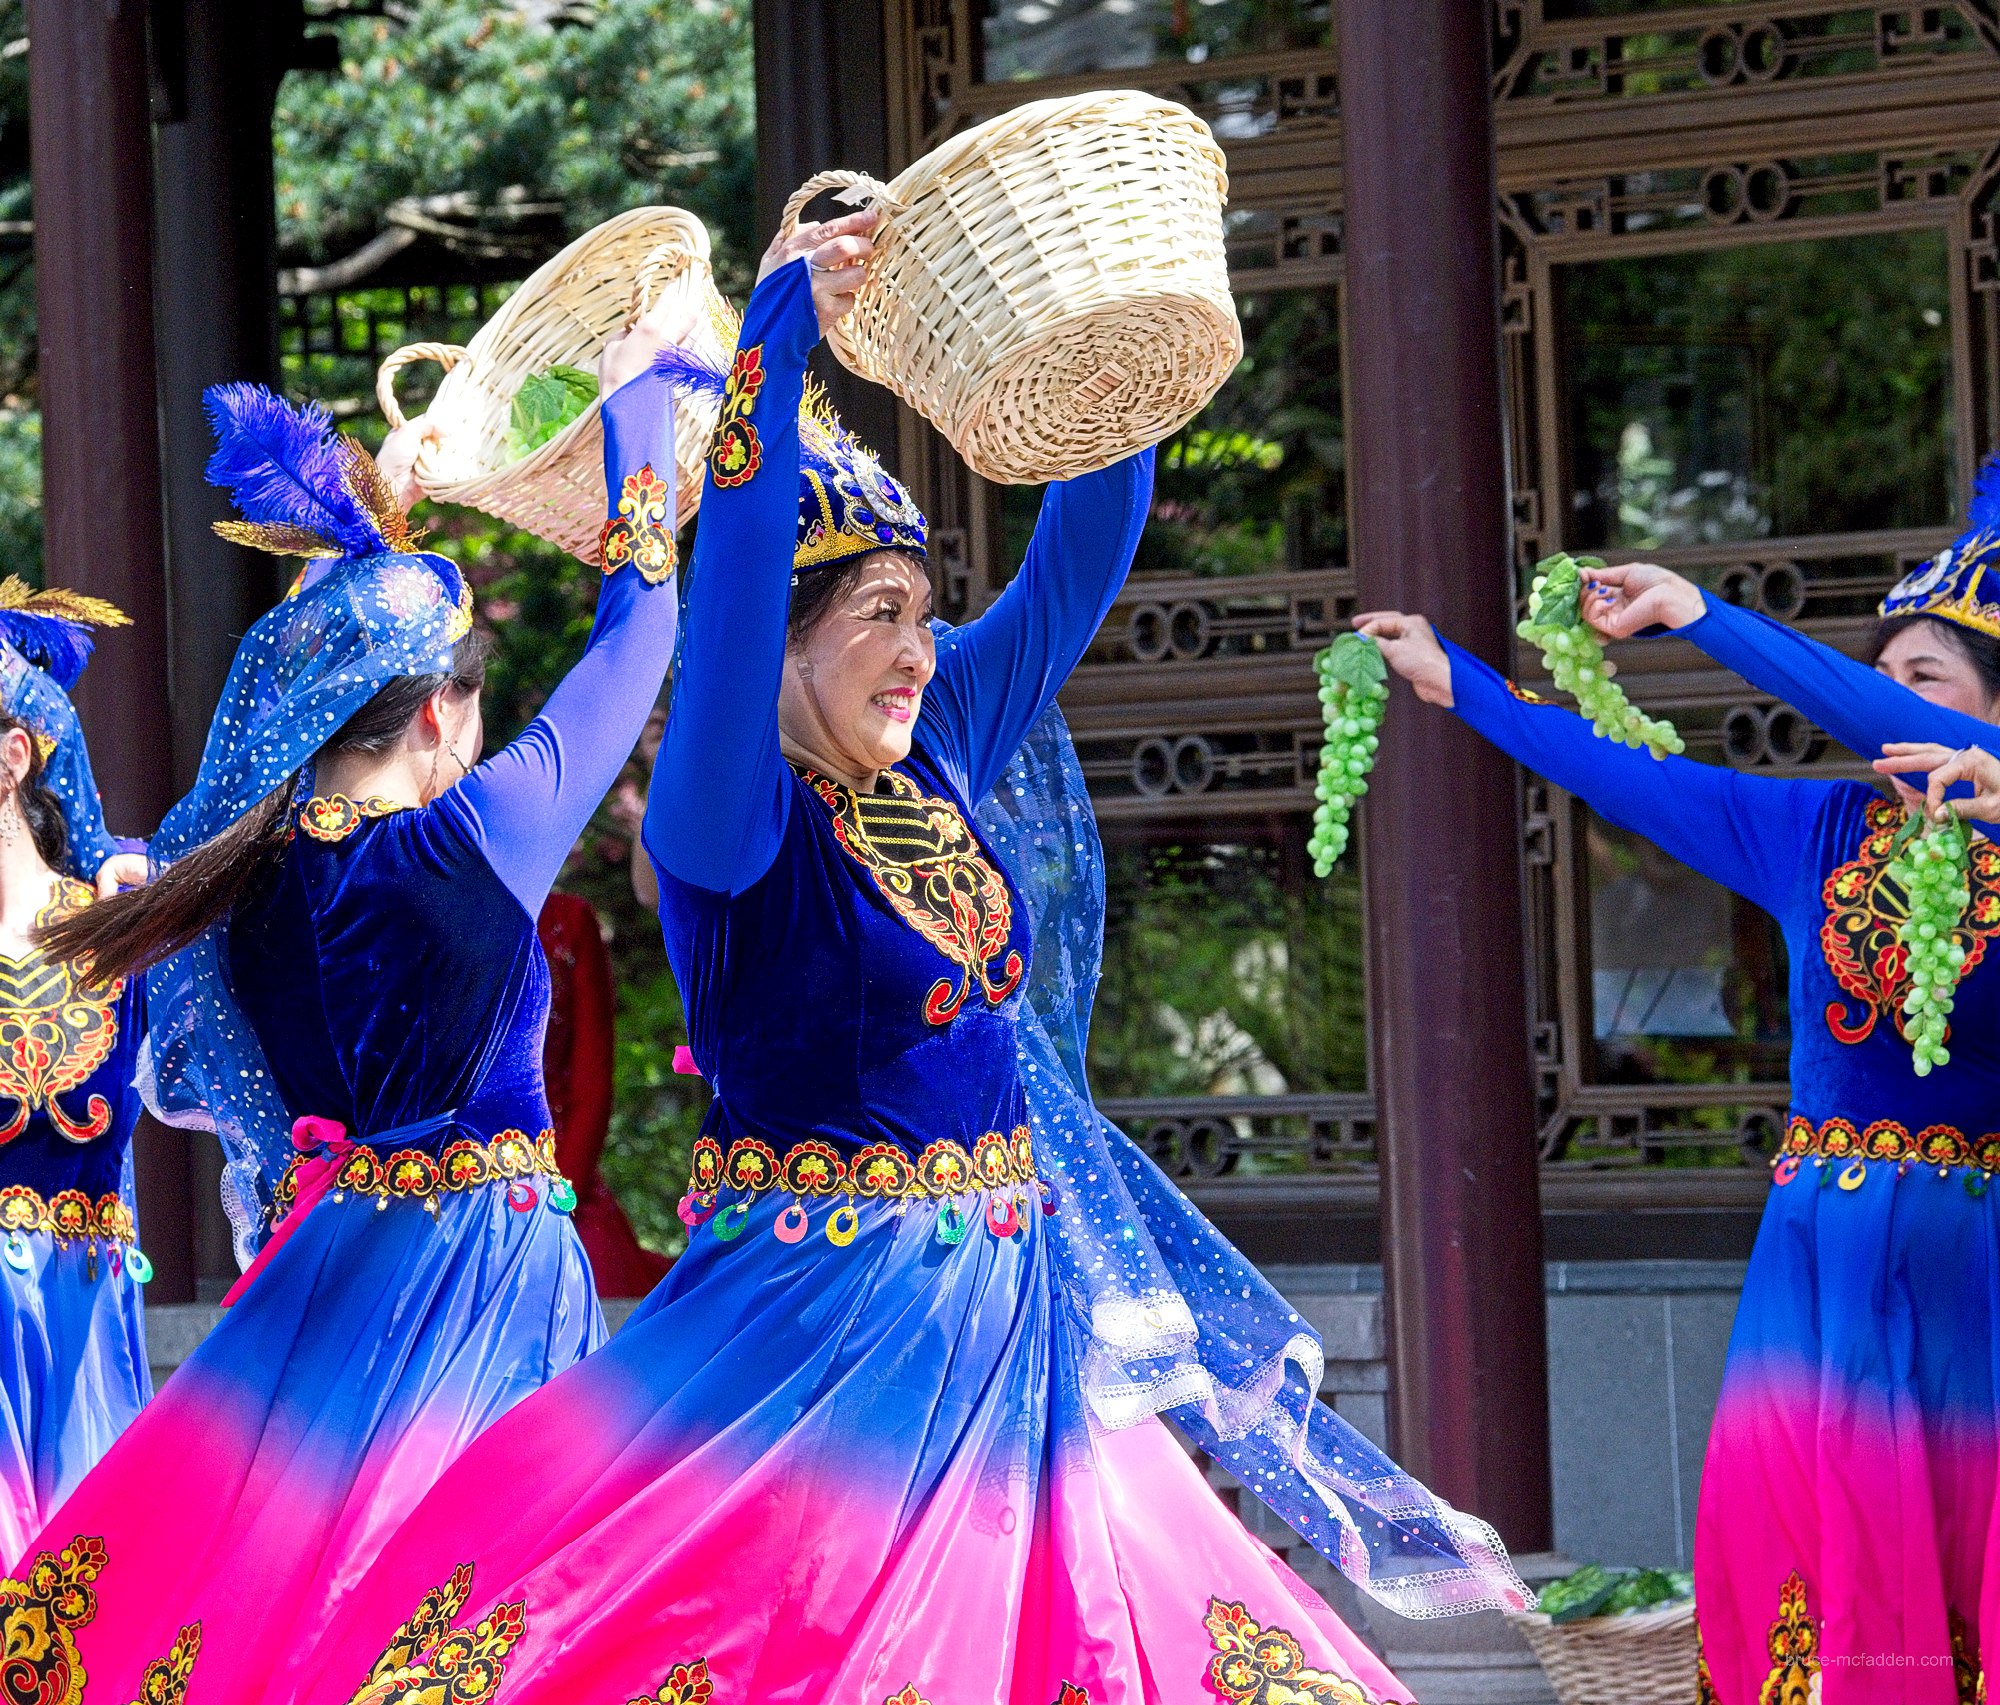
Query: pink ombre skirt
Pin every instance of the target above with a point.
(819, 1474)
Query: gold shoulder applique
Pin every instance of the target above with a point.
(333, 816)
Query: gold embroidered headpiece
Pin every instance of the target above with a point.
(848, 503)
(1960, 584)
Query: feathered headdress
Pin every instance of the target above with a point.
(1957, 584)
(848, 503)
(303, 489)
(51, 628)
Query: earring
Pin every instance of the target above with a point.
(805, 670)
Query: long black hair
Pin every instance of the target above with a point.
(40, 809)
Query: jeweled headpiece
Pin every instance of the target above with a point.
(45, 642)
(848, 503)
(1961, 584)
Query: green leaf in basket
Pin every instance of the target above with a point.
(545, 404)
(1581, 1594)
(1643, 1590)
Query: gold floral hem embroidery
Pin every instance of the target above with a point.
(165, 1681)
(686, 1684)
(333, 817)
(69, 1216)
(1793, 1644)
(429, 1662)
(1886, 1139)
(1967, 1674)
(1254, 1665)
(39, 1616)
(879, 1172)
(410, 1175)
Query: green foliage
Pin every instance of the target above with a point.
(545, 404)
(1225, 973)
(650, 101)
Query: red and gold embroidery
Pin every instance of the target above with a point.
(410, 1175)
(1073, 1695)
(1704, 1683)
(1886, 1139)
(1793, 1643)
(429, 1662)
(39, 1617)
(333, 816)
(1254, 1665)
(165, 1681)
(54, 1032)
(1864, 908)
(736, 453)
(879, 1172)
(69, 1216)
(642, 531)
(1525, 695)
(909, 1696)
(686, 1684)
(927, 864)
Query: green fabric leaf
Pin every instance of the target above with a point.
(545, 404)
(1355, 660)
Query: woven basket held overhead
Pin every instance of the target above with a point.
(1644, 1659)
(563, 315)
(1049, 288)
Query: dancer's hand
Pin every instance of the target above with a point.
(1619, 602)
(122, 870)
(1973, 764)
(668, 324)
(398, 458)
(838, 251)
(1410, 647)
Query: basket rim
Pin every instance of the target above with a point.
(955, 151)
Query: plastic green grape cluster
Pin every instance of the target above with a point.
(1353, 690)
(1575, 659)
(1932, 870)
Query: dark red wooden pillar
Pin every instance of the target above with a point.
(1462, 1237)
(91, 129)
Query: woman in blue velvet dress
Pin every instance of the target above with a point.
(888, 1430)
(1847, 1547)
(354, 1001)
(72, 1339)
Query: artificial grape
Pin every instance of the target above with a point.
(1353, 691)
(1931, 865)
(1575, 661)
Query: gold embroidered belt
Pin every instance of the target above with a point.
(68, 1216)
(1942, 1146)
(411, 1175)
(999, 1165)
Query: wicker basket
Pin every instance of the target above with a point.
(1049, 288)
(1644, 1659)
(564, 314)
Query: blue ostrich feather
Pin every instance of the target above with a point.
(62, 648)
(282, 466)
(687, 368)
(1985, 505)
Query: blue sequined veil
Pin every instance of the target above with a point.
(1164, 1317)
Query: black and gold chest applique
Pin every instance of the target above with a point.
(1864, 909)
(333, 816)
(54, 1032)
(927, 864)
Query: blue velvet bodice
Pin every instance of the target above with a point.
(865, 988)
(67, 1105)
(392, 977)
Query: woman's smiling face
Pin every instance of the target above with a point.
(854, 683)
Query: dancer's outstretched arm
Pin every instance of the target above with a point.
(1859, 707)
(1742, 831)
(996, 675)
(525, 806)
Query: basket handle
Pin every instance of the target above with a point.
(877, 192)
(662, 265)
(446, 355)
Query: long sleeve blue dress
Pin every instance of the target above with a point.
(424, 1276)
(844, 1452)
(1847, 1505)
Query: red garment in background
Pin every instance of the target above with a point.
(576, 1059)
